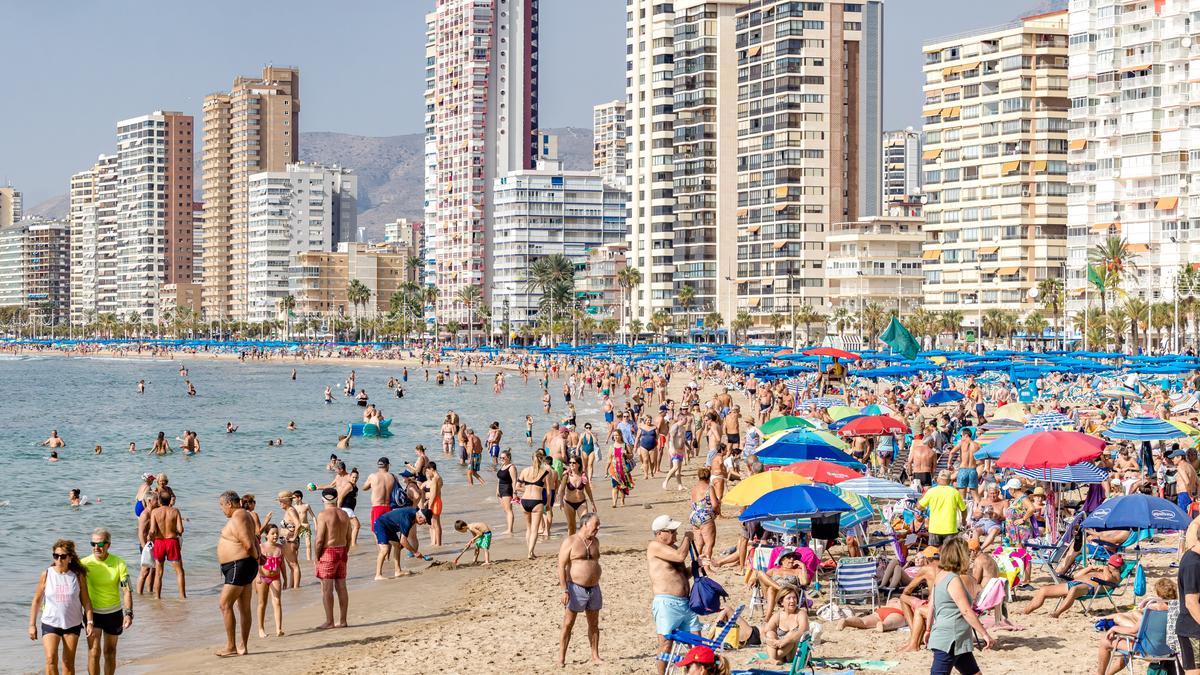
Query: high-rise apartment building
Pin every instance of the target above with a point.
(320, 280)
(995, 170)
(10, 206)
(482, 103)
(876, 260)
(154, 209)
(705, 170)
(544, 211)
(83, 225)
(901, 167)
(254, 127)
(809, 131)
(198, 244)
(35, 259)
(649, 152)
(307, 207)
(608, 141)
(1133, 157)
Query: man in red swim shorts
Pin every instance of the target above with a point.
(332, 543)
(166, 527)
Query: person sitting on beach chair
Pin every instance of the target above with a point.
(1100, 545)
(1085, 581)
(1119, 627)
(788, 574)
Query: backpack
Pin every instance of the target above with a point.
(706, 594)
(399, 497)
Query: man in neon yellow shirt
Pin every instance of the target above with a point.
(112, 602)
(946, 509)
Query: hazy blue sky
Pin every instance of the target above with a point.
(75, 67)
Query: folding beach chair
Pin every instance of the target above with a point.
(801, 662)
(1049, 555)
(682, 641)
(1150, 643)
(854, 579)
(1104, 589)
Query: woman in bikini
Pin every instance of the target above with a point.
(269, 582)
(161, 446)
(533, 498)
(705, 508)
(785, 628)
(576, 493)
(720, 474)
(448, 431)
(506, 481)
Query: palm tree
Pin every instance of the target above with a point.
(635, 329)
(660, 321)
(686, 296)
(776, 321)
(470, 296)
(952, 321)
(1162, 319)
(923, 322)
(608, 326)
(628, 279)
(742, 322)
(1035, 324)
(1138, 311)
(554, 277)
(842, 320)
(1117, 321)
(1114, 260)
(453, 327)
(412, 266)
(803, 315)
(874, 318)
(712, 322)
(359, 295)
(1050, 290)
(288, 303)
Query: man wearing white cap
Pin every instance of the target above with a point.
(670, 582)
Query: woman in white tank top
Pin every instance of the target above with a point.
(62, 607)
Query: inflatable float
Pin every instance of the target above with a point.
(366, 430)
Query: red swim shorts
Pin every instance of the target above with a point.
(332, 564)
(167, 550)
(377, 511)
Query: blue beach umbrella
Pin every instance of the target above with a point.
(783, 453)
(1135, 512)
(995, 448)
(944, 396)
(1083, 473)
(1143, 429)
(794, 502)
(860, 511)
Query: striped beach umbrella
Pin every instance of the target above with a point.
(873, 487)
(1083, 473)
(821, 402)
(1012, 411)
(1143, 429)
(1048, 420)
(1183, 402)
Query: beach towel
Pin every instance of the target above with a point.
(857, 664)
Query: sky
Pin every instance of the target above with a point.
(76, 67)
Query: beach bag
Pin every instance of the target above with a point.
(831, 611)
(1172, 620)
(399, 497)
(1139, 581)
(706, 594)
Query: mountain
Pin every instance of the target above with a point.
(55, 208)
(391, 169)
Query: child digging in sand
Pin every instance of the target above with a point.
(481, 540)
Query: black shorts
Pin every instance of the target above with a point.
(240, 572)
(944, 662)
(1189, 652)
(112, 623)
(55, 630)
(939, 539)
(924, 478)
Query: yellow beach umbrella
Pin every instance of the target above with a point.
(1012, 411)
(749, 490)
(838, 412)
(1184, 427)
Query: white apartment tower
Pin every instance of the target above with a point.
(482, 101)
(901, 166)
(608, 141)
(650, 118)
(1134, 151)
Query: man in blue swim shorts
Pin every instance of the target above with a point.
(670, 582)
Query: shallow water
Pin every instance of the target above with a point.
(94, 401)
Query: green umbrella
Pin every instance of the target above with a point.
(776, 424)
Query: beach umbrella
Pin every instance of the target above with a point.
(1135, 512)
(1002, 424)
(878, 409)
(834, 426)
(1183, 402)
(1084, 473)
(1012, 411)
(805, 436)
(832, 353)
(1048, 420)
(839, 412)
(877, 488)
(1143, 429)
(1050, 449)
(860, 512)
(821, 471)
(874, 425)
(822, 402)
(1120, 393)
(783, 423)
(750, 489)
(794, 502)
(782, 454)
(944, 396)
(994, 448)
(1184, 427)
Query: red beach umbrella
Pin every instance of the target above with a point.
(873, 425)
(821, 471)
(1051, 450)
(832, 352)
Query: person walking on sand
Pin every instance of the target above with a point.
(579, 577)
(269, 581)
(62, 606)
(112, 602)
(670, 583)
(238, 555)
(332, 544)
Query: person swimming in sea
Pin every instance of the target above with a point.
(53, 456)
(291, 425)
(230, 428)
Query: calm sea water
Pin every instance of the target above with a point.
(94, 401)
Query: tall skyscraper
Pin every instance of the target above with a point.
(995, 165)
(154, 209)
(35, 269)
(254, 127)
(649, 151)
(809, 132)
(482, 103)
(901, 166)
(705, 170)
(608, 141)
(10, 206)
(1133, 157)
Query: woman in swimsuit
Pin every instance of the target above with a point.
(448, 430)
(785, 628)
(493, 442)
(706, 506)
(587, 448)
(618, 473)
(533, 498)
(647, 441)
(576, 493)
(269, 582)
(720, 475)
(433, 498)
(506, 478)
(886, 618)
(161, 446)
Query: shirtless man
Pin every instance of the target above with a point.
(55, 441)
(166, 527)
(380, 484)
(670, 583)
(239, 555)
(579, 577)
(766, 401)
(731, 426)
(723, 402)
(662, 425)
(1185, 479)
(344, 484)
(332, 543)
(1081, 583)
(968, 466)
(556, 448)
(921, 461)
(147, 574)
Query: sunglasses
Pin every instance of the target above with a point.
(99, 544)
(61, 556)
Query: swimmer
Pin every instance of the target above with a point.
(75, 498)
(53, 456)
(343, 442)
(291, 425)
(293, 374)
(99, 450)
(55, 441)
(132, 448)
(141, 386)
(328, 395)
(230, 428)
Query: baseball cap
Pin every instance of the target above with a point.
(698, 654)
(1179, 453)
(383, 463)
(1013, 484)
(428, 514)
(329, 494)
(930, 551)
(148, 476)
(664, 522)
(1116, 560)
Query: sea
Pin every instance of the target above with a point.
(95, 402)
